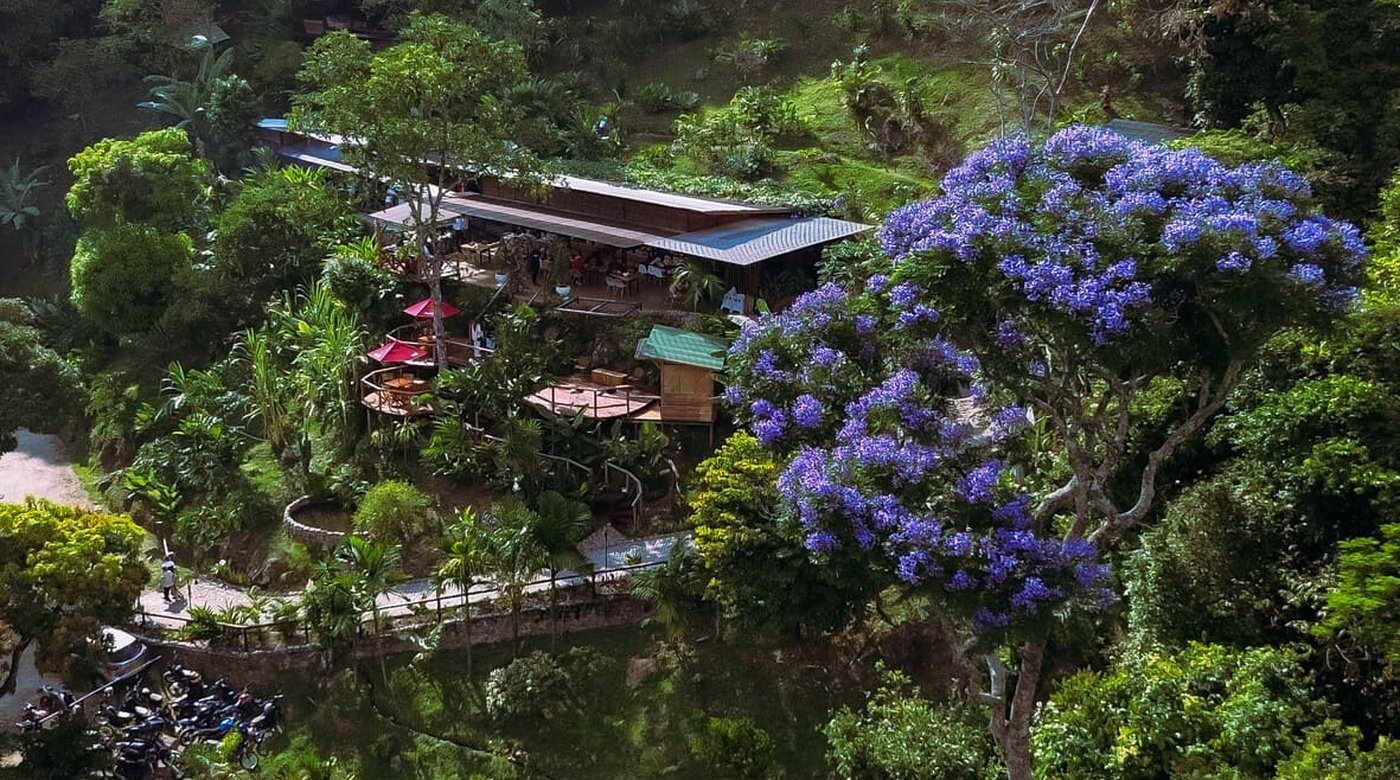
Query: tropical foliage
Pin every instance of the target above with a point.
(64, 571)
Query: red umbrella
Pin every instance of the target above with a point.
(424, 308)
(397, 352)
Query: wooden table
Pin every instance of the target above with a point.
(627, 278)
(476, 251)
(407, 385)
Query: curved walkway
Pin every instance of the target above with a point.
(608, 549)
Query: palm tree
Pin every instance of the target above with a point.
(374, 567)
(331, 607)
(513, 558)
(17, 207)
(559, 524)
(672, 587)
(698, 283)
(464, 551)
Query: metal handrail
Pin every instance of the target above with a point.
(405, 334)
(636, 487)
(244, 630)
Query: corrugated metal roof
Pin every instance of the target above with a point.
(669, 199)
(536, 219)
(688, 348)
(398, 217)
(318, 160)
(756, 240)
(1147, 132)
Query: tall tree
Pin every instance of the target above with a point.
(464, 561)
(1111, 289)
(374, 566)
(559, 523)
(417, 115)
(140, 200)
(513, 558)
(64, 571)
(43, 388)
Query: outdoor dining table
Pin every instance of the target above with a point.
(628, 279)
(406, 384)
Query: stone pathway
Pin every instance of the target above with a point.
(607, 548)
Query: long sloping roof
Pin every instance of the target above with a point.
(669, 199)
(399, 217)
(1147, 132)
(756, 240)
(550, 222)
(673, 345)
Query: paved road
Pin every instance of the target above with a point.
(608, 549)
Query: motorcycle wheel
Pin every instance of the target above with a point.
(249, 759)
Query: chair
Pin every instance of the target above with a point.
(733, 301)
(616, 286)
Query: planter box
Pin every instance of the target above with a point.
(608, 378)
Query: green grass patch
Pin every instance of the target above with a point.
(266, 475)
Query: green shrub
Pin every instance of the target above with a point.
(654, 98)
(533, 686)
(731, 747)
(901, 735)
(394, 510)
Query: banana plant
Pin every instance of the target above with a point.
(17, 208)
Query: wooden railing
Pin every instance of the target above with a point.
(402, 399)
(460, 351)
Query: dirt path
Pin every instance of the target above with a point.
(38, 468)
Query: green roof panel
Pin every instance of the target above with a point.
(688, 348)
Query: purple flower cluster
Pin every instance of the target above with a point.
(1080, 242)
(879, 461)
(1087, 222)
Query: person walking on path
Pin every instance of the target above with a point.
(167, 577)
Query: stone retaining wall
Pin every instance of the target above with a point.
(267, 667)
(306, 534)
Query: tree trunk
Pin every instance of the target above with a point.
(12, 676)
(1016, 752)
(553, 611)
(1011, 717)
(515, 628)
(467, 624)
(439, 332)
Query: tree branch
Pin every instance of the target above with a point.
(1212, 399)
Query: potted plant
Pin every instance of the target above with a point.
(511, 255)
(558, 253)
(499, 261)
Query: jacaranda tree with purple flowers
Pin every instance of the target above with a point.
(1055, 284)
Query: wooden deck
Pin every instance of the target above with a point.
(599, 402)
(394, 405)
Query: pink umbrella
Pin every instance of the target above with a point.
(397, 352)
(424, 308)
